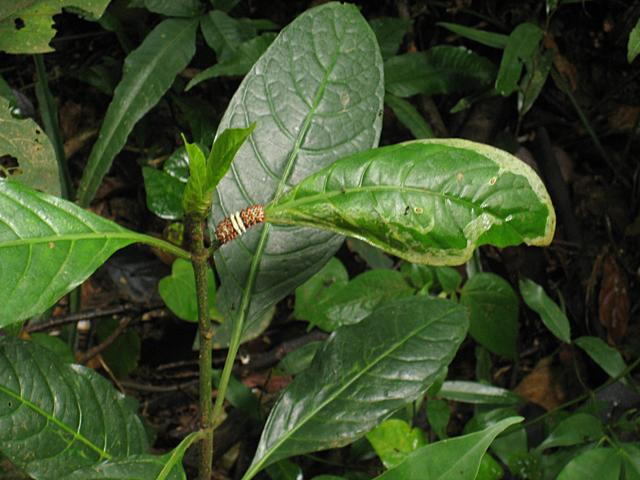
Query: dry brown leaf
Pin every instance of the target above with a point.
(613, 300)
(542, 386)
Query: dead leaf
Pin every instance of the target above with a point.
(613, 300)
(542, 386)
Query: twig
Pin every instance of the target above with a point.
(107, 341)
(88, 315)
(157, 388)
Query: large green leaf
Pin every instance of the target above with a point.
(24, 140)
(493, 307)
(490, 39)
(457, 458)
(479, 393)
(48, 246)
(601, 463)
(27, 26)
(427, 201)
(56, 418)
(443, 69)
(316, 95)
(148, 73)
(608, 358)
(573, 430)
(368, 370)
(394, 439)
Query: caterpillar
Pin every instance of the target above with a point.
(237, 223)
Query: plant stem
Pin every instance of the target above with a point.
(199, 256)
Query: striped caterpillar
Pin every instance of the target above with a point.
(237, 223)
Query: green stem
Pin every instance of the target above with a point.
(162, 245)
(178, 453)
(200, 267)
(238, 326)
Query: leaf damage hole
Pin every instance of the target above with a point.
(19, 23)
(8, 166)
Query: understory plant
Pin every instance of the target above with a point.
(294, 168)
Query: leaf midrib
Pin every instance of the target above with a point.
(50, 418)
(72, 237)
(348, 384)
(377, 188)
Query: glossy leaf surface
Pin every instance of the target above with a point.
(56, 418)
(493, 307)
(440, 70)
(458, 457)
(171, 8)
(27, 26)
(148, 73)
(550, 313)
(313, 290)
(164, 193)
(427, 201)
(368, 370)
(48, 246)
(313, 102)
(23, 139)
(478, 393)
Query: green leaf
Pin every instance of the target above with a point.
(300, 359)
(148, 73)
(441, 70)
(438, 415)
(240, 396)
(409, 116)
(389, 32)
(56, 418)
(489, 469)
(427, 201)
(448, 278)
(607, 358)
(368, 370)
(54, 344)
(574, 430)
(309, 293)
(24, 140)
(48, 246)
(493, 307)
(196, 198)
(123, 354)
(285, 470)
(490, 39)
(164, 193)
(372, 256)
(224, 150)
(478, 393)
(633, 46)
(237, 65)
(458, 457)
(521, 47)
(348, 304)
(178, 292)
(421, 277)
(206, 174)
(27, 26)
(537, 300)
(132, 467)
(6, 91)
(534, 79)
(394, 439)
(315, 102)
(222, 33)
(600, 463)
(171, 8)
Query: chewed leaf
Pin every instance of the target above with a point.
(427, 201)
